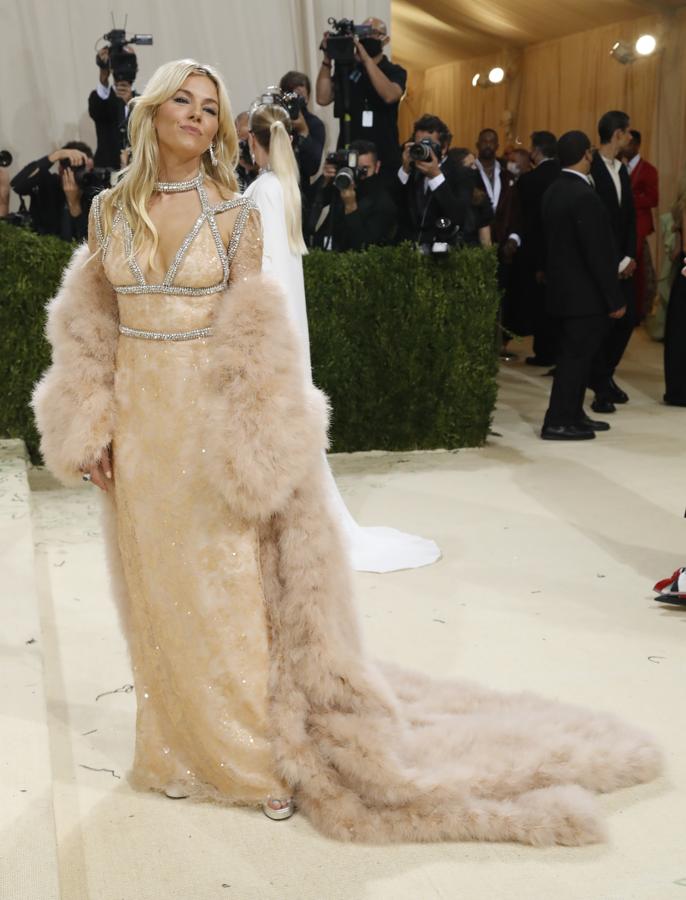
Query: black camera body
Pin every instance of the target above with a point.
(295, 103)
(420, 151)
(124, 64)
(347, 170)
(81, 175)
(444, 238)
(340, 46)
(94, 180)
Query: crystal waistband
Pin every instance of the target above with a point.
(165, 335)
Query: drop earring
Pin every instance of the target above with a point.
(213, 155)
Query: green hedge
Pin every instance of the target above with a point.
(403, 345)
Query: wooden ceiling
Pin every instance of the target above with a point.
(432, 32)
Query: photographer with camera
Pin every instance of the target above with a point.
(433, 193)
(361, 209)
(60, 203)
(247, 169)
(309, 134)
(108, 107)
(365, 87)
(4, 192)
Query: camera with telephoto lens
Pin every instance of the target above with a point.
(421, 151)
(123, 63)
(5, 158)
(94, 181)
(347, 170)
(340, 46)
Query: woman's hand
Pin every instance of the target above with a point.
(101, 472)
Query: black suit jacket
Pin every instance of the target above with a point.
(420, 209)
(622, 216)
(373, 222)
(109, 117)
(581, 265)
(531, 187)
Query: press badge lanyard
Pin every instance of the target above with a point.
(367, 114)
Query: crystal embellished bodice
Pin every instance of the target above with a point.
(202, 263)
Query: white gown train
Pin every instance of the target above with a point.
(371, 548)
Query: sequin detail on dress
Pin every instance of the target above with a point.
(208, 214)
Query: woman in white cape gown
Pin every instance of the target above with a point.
(276, 193)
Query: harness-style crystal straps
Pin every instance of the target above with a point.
(165, 335)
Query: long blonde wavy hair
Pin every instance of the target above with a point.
(136, 183)
(271, 126)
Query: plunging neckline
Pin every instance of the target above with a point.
(208, 213)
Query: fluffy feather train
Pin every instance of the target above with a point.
(370, 751)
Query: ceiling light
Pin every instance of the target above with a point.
(496, 75)
(645, 45)
(475, 79)
(623, 52)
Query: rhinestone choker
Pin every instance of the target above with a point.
(175, 187)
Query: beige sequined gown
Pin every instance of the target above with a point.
(198, 631)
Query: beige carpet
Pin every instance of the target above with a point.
(550, 552)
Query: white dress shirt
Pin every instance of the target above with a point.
(614, 167)
(580, 174)
(494, 189)
(633, 162)
(430, 184)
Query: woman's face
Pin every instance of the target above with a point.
(469, 161)
(187, 123)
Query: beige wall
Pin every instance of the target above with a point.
(47, 64)
(568, 83)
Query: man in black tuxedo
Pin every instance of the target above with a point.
(582, 285)
(433, 189)
(108, 107)
(613, 185)
(531, 187)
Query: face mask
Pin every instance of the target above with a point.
(372, 46)
(513, 168)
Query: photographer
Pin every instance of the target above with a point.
(479, 214)
(430, 186)
(361, 209)
(371, 86)
(308, 129)
(108, 107)
(4, 193)
(60, 203)
(247, 170)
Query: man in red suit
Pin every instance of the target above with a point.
(644, 184)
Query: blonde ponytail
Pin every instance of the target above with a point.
(270, 125)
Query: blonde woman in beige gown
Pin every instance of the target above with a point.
(178, 387)
(197, 629)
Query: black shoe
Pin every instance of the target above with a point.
(616, 394)
(603, 405)
(539, 361)
(567, 433)
(594, 424)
